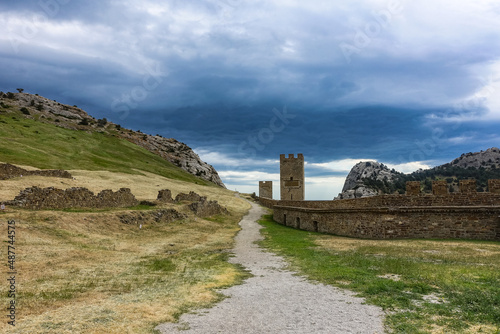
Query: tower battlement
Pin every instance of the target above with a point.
(283, 157)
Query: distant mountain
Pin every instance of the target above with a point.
(373, 178)
(48, 111)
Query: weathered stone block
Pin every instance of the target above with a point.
(204, 208)
(439, 188)
(468, 186)
(191, 197)
(266, 189)
(413, 188)
(165, 195)
(494, 186)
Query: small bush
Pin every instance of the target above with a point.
(102, 122)
(84, 122)
(39, 107)
(25, 111)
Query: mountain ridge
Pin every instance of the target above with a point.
(49, 111)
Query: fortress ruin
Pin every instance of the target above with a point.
(466, 214)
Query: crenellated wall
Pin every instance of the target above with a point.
(464, 215)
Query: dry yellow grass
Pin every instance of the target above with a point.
(86, 272)
(478, 253)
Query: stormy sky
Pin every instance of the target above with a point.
(412, 84)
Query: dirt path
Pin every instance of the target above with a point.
(276, 301)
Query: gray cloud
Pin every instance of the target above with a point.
(220, 67)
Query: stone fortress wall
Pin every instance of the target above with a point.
(441, 215)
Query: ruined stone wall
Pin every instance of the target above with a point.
(51, 198)
(165, 195)
(292, 180)
(205, 208)
(191, 197)
(266, 189)
(8, 171)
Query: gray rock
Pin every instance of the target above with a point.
(354, 186)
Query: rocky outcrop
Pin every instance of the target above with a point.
(177, 153)
(355, 183)
(36, 198)
(8, 171)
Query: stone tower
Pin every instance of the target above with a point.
(292, 177)
(266, 189)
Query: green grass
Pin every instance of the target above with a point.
(461, 277)
(28, 142)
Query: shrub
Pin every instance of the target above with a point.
(84, 122)
(39, 107)
(102, 122)
(25, 111)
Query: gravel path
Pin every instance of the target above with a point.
(276, 301)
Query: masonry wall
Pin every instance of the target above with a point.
(266, 189)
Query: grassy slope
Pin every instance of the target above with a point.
(28, 142)
(426, 286)
(85, 271)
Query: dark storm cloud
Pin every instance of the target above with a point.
(404, 82)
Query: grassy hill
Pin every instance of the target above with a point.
(89, 271)
(30, 142)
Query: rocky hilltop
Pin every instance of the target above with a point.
(355, 187)
(486, 159)
(371, 178)
(74, 118)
